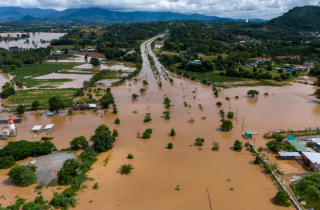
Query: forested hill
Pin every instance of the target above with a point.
(305, 18)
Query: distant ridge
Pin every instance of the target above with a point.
(299, 18)
(100, 15)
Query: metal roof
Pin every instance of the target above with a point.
(296, 145)
(49, 126)
(248, 132)
(37, 128)
(289, 154)
(291, 138)
(313, 157)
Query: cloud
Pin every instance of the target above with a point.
(265, 9)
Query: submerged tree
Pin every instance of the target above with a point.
(253, 93)
(226, 125)
(126, 168)
(95, 62)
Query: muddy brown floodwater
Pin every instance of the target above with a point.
(157, 171)
(33, 37)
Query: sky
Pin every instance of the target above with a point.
(264, 9)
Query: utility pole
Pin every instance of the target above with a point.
(243, 124)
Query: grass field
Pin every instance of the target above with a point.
(35, 70)
(273, 72)
(26, 97)
(61, 47)
(45, 83)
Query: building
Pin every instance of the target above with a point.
(48, 127)
(83, 106)
(308, 64)
(300, 69)
(313, 159)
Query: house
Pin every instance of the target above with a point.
(58, 52)
(100, 82)
(80, 107)
(196, 62)
(308, 64)
(130, 52)
(200, 54)
(48, 127)
(300, 68)
(90, 50)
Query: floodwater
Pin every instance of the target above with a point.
(157, 171)
(4, 77)
(76, 83)
(120, 66)
(33, 37)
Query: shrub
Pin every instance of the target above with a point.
(167, 115)
(226, 125)
(130, 156)
(115, 133)
(126, 168)
(191, 120)
(260, 149)
(282, 198)
(6, 162)
(62, 201)
(237, 145)
(199, 141)
(135, 96)
(170, 145)
(21, 109)
(35, 105)
(81, 140)
(219, 103)
(227, 98)
(257, 160)
(216, 146)
(39, 200)
(147, 133)
(309, 144)
(145, 83)
(147, 117)
(115, 110)
(172, 133)
(266, 94)
(68, 171)
(95, 186)
(142, 90)
(22, 175)
(117, 121)
(237, 97)
(230, 115)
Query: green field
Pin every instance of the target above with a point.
(273, 72)
(35, 70)
(26, 97)
(45, 83)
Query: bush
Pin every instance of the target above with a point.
(216, 146)
(117, 121)
(130, 156)
(115, 133)
(21, 109)
(126, 168)
(142, 90)
(237, 145)
(39, 200)
(219, 103)
(22, 175)
(147, 117)
(62, 201)
(115, 110)
(147, 133)
(199, 141)
(257, 160)
(282, 198)
(35, 105)
(226, 125)
(95, 186)
(309, 144)
(46, 138)
(237, 97)
(6, 162)
(170, 145)
(81, 140)
(172, 133)
(230, 115)
(68, 171)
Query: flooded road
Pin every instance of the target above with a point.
(157, 171)
(34, 37)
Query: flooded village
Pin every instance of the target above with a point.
(185, 176)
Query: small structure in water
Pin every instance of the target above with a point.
(48, 127)
(36, 128)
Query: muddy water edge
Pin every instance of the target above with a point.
(157, 171)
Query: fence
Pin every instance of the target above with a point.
(278, 180)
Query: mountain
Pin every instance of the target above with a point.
(16, 13)
(100, 15)
(305, 18)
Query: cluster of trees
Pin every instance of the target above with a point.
(7, 90)
(278, 144)
(19, 150)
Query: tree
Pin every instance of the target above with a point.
(230, 115)
(130, 156)
(170, 145)
(257, 160)
(282, 198)
(115, 133)
(226, 125)
(126, 168)
(317, 94)
(102, 139)
(253, 93)
(81, 140)
(135, 96)
(172, 133)
(216, 146)
(95, 62)
(80, 92)
(55, 104)
(6, 162)
(68, 171)
(65, 50)
(145, 83)
(237, 145)
(142, 90)
(117, 121)
(107, 99)
(35, 105)
(22, 175)
(21, 109)
(115, 110)
(7, 90)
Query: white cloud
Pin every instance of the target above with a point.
(265, 9)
